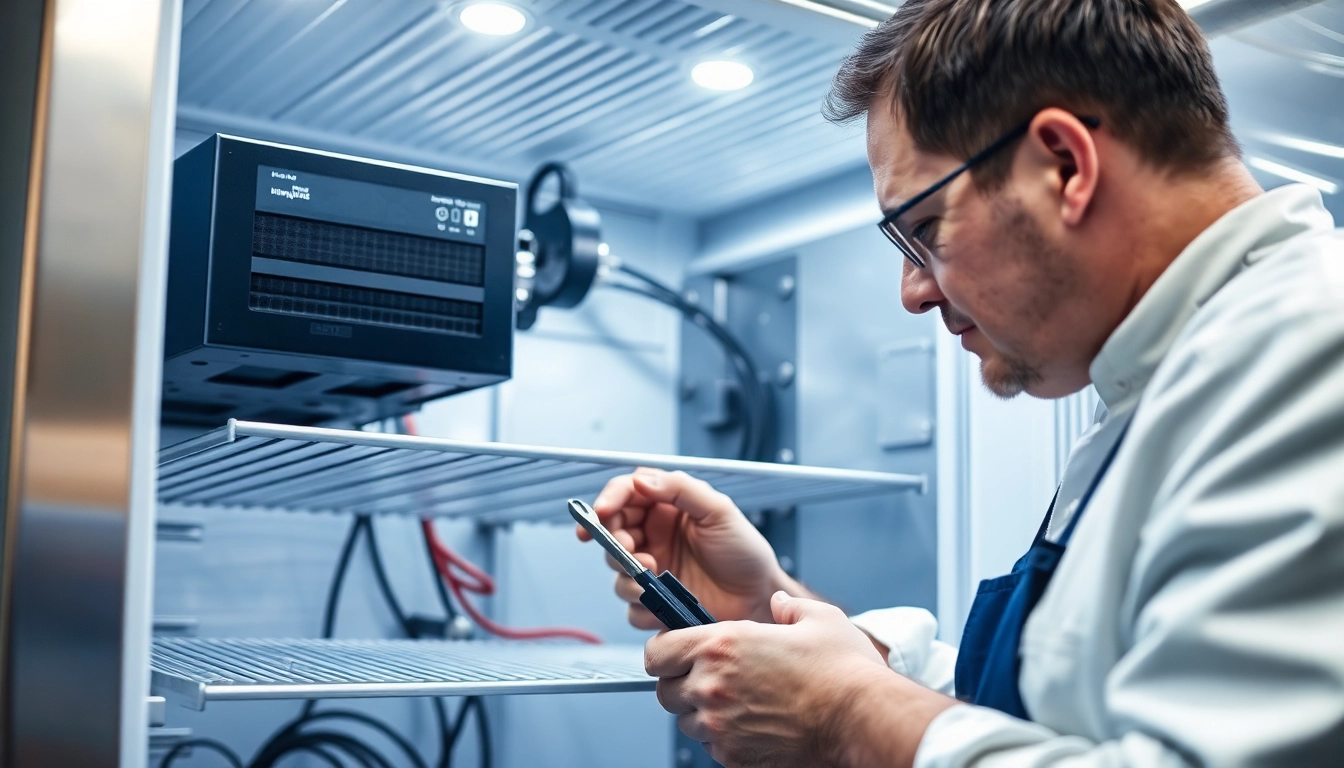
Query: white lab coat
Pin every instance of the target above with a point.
(1197, 616)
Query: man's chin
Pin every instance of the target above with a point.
(1006, 378)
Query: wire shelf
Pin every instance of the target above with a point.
(194, 671)
(248, 464)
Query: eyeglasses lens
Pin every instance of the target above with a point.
(908, 246)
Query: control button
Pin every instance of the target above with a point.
(457, 215)
(441, 213)
(471, 218)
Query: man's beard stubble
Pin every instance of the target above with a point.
(1005, 374)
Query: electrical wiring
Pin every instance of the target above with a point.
(449, 736)
(215, 746)
(461, 576)
(464, 576)
(757, 418)
(482, 727)
(403, 745)
(406, 425)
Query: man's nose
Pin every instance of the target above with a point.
(919, 291)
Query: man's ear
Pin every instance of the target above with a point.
(1065, 151)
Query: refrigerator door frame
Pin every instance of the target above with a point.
(77, 568)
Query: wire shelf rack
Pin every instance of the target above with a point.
(194, 671)
(249, 464)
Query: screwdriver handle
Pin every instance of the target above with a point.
(672, 603)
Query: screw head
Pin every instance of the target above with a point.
(461, 628)
(787, 285)
(785, 373)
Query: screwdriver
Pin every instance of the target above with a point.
(664, 596)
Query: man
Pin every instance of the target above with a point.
(1061, 181)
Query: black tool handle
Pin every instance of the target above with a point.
(687, 599)
(670, 607)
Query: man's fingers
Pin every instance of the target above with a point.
(641, 618)
(693, 725)
(791, 610)
(696, 498)
(619, 493)
(671, 654)
(674, 695)
(627, 589)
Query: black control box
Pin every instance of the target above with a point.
(311, 288)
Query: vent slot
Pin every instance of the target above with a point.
(328, 301)
(371, 388)
(183, 408)
(370, 250)
(261, 378)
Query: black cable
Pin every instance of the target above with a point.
(757, 433)
(756, 412)
(334, 591)
(326, 756)
(217, 746)
(483, 732)
(477, 704)
(343, 714)
(362, 753)
(384, 586)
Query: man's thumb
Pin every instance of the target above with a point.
(790, 610)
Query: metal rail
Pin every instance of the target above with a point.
(247, 464)
(194, 671)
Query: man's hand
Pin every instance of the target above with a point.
(671, 521)
(809, 691)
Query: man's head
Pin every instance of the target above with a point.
(1039, 251)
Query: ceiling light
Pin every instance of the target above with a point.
(1301, 145)
(722, 75)
(492, 19)
(1292, 174)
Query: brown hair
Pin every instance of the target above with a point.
(961, 73)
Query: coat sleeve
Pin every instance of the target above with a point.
(914, 651)
(1232, 646)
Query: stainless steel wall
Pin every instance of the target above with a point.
(85, 384)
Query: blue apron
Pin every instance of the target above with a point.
(988, 662)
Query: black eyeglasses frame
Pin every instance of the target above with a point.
(888, 222)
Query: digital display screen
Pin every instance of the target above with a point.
(325, 198)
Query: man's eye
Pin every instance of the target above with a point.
(925, 232)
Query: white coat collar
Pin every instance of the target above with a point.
(1242, 236)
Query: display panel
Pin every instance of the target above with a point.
(345, 201)
(338, 249)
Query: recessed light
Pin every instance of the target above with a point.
(722, 75)
(492, 19)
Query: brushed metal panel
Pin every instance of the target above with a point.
(85, 405)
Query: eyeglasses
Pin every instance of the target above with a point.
(910, 245)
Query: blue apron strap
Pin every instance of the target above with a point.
(1092, 489)
(989, 662)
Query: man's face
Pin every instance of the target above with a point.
(997, 279)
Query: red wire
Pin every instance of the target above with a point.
(473, 579)
(462, 575)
